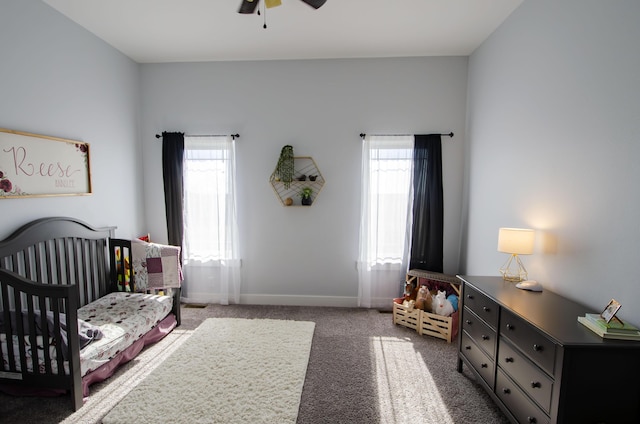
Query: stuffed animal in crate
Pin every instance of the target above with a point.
(441, 305)
(424, 299)
(410, 292)
(409, 304)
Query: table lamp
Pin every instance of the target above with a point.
(515, 241)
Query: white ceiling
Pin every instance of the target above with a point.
(150, 31)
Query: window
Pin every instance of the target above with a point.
(387, 169)
(210, 228)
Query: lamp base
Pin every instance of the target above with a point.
(513, 270)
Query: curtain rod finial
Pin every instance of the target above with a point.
(158, 136)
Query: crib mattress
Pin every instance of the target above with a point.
(123, 318)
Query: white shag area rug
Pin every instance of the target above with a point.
(230, 370)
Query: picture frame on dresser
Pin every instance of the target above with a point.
(610, 311)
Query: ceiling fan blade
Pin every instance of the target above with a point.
(315, 3)
(248, 6)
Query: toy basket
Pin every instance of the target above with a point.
(427, 323)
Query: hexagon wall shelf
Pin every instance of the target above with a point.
(303, 166)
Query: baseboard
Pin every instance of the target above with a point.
(285, 300)
(293, 300)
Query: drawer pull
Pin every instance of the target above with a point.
(468, 347)
(532, 420)
(537, 348)
(485, 337)
(506, 391)
(469, 296)
(508, 359)
(510, 327)
(468, 322)
(484, 365)
(535, 384)
(486, 309)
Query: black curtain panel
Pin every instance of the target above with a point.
(428, 209)
(172, 157)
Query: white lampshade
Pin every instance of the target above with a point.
(516, 240)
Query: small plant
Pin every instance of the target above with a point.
(305, 195)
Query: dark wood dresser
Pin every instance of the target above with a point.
(538, 363)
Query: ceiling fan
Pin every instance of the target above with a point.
(249, 6)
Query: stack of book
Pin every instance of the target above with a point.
(611, 330)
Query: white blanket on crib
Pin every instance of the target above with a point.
(122, 318)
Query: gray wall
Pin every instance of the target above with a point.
(553, 144)
(305, 255)
(57, 79)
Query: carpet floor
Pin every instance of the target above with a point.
(362, 369)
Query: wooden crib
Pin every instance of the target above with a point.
(49, 268)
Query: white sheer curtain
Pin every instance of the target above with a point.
(211, 252)
(385, 218)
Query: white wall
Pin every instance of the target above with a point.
(59, 80)
(553, 144)
(304, 255)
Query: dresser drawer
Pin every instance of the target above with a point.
(522, 408)
(531, 379)
(530, 341)
(484, 307)
(478, 359)
(481, 333)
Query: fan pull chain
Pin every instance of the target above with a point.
(264, 9)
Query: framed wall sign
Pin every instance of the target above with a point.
(34, 165)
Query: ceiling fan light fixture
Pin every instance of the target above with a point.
(272, 3)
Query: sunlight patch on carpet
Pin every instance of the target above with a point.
(230, 370)
(103, 396)
(405, 393)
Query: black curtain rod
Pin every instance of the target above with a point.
(207, 135)
(363, 135)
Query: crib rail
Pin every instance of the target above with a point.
(32, 317)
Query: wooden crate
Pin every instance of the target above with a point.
(402, 315)
(436, 325)
(427, 323)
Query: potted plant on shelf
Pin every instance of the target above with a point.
(305, 195)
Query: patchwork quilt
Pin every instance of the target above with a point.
(155, 266)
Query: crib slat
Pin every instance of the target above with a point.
(4, 292)
(19, 330)
(58, 343)
(92, 265)
(31, 333)
(46, 336)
